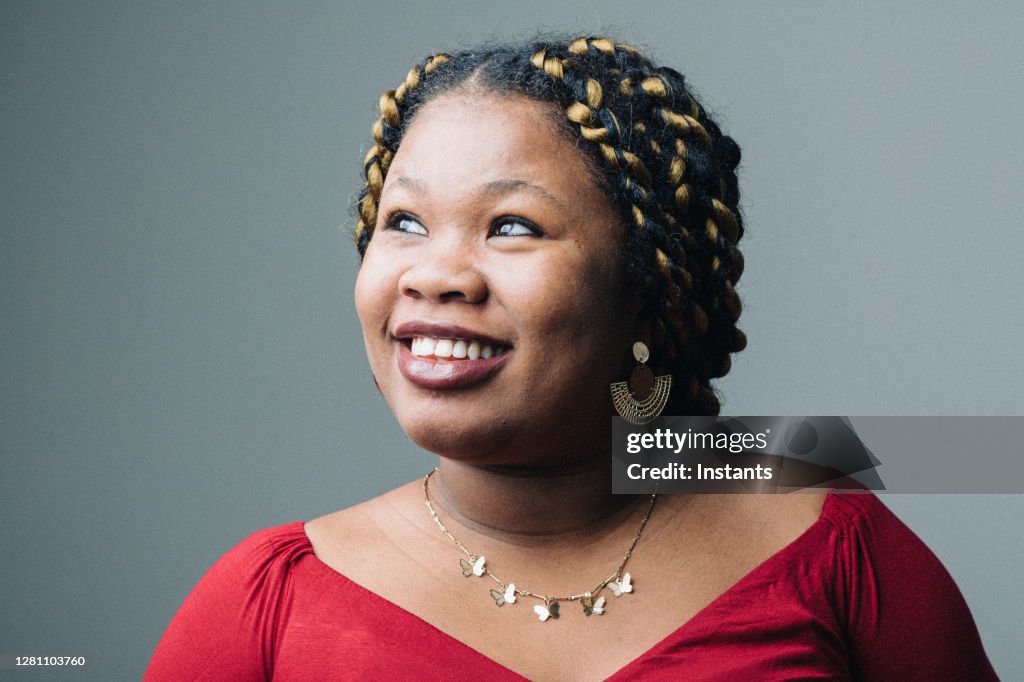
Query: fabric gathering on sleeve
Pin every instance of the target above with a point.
(228, 625)
(905, 616)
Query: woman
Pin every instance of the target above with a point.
(532, 215)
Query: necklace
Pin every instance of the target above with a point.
(592, 602)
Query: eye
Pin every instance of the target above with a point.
(515, 227)
(403, 222)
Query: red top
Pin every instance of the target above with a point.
(857, 596)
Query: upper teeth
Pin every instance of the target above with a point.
(453, 348)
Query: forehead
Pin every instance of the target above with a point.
(468, 137)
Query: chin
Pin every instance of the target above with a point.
(502, 439)
(483, 445)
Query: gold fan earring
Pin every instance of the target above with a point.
(643, 397)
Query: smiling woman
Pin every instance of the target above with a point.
(533, 219)
(490, 229)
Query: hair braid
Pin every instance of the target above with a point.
(387, 133)
(657, 225)
(714, 244)
(658, 155)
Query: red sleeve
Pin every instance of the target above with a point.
(905, 617)
(225, 629)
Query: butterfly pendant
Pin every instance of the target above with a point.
(508, 597)
(591, 607)
(476, 568)
(546, 611)
(622, 587)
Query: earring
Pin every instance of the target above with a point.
(643, 397)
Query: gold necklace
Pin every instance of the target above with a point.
(475, 565)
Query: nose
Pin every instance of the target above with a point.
(445, 272)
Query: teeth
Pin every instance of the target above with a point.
(443, 348)
(424, 346)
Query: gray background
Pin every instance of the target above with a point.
(180, 361)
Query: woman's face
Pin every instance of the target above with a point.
(493, 295)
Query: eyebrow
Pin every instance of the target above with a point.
(497, 188)
(494, 188)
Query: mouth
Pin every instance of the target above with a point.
(441, 356)
(454, 348)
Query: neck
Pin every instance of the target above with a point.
(529, 504)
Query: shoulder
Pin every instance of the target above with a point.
(257, 562)
(877, 551)
(881, 562)
(862, 521)
(904, 615)
(279, 543)
(230, 616)
(858, 509)
(260, 555)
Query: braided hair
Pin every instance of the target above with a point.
(656, 153)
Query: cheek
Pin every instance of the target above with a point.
(579, 298)
(363, 303)
(598, 287)
(372, 295)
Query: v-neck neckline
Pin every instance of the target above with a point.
(664, 642)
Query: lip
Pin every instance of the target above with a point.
(445, 373)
